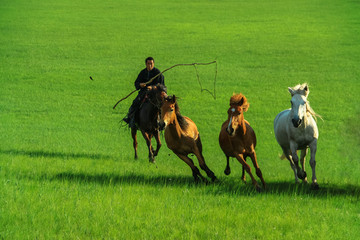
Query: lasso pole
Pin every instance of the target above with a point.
(152, 79)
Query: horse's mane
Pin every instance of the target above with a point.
(240, 100)
(161, 87)
(303, 89)
(180, 118)
(312, 112)
(158, 88)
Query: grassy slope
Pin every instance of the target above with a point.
(66, 168)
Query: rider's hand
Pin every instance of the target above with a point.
(142, 85)
(149, 87)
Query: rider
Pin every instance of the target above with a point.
(140, 83)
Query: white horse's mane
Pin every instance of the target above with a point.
(303, 89)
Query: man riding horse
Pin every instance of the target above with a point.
(140, 83)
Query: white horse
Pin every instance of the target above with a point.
(296, 129)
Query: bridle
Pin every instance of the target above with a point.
(156, 104)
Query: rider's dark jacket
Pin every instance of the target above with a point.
(144, 76)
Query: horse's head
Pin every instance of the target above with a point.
(168, 110)
(299, 104)
(157, 95)
(238, 105)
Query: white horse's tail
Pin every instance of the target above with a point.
(282, 157)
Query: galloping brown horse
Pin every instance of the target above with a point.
(237, 139)
(182, 137)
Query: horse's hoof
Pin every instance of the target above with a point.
(196, 180)
(214, 179)
(227, 171)
(258, 189)
(302, 175)
(315, 186)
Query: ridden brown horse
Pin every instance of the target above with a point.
(147, 120)
(237, 139)
(182, 137)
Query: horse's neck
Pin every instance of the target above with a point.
(307, 119)
(153, 109)
(175, 128)
(148, 113)
(241, 129)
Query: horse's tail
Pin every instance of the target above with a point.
(282, 157)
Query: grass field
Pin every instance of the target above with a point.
(66, 164)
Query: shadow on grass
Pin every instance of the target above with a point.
(36, 154)
(129, 179)
(225, 185)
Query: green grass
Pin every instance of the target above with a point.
(66, 166)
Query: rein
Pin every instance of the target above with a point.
(176, 65)
(154, 104)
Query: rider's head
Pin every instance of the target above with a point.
(150, 63)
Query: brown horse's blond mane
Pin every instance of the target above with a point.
(236, 99)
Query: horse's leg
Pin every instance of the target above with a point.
(243, 176)
(195, 170)
(293, 148)
(158, 142)
(302, 161)
(201, 160)
(287, 154)
(256, 165)
(313, 147)
(151, 146)
(241, 159)
(227, 168)
(147, 138)
(135, 144)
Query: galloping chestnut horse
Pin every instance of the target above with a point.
(237, 139)
(147, 120)
(182, 137)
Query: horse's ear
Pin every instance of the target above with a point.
(173, 99)
(241, 102)
(291, 91)
(307, 91)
